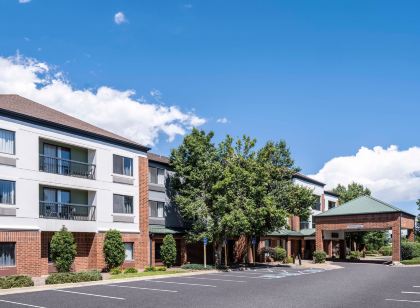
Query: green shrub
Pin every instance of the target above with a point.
(279, 254)
(168, 250)
(354, 256)
(288, 260)
(410, 250)
(115, 271)
(160, 268)
(319, 256)
(114, 251)
(17, 281)
(386, 250)
(197, 267)
(73, 277)
(411, 262)
(149, 269)
(63, 250)
(130, 270)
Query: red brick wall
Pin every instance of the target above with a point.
(295, 226)
(144, 211)
(28, 252)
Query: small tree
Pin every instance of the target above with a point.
(63, 249)
(114, 251)
(168, 250)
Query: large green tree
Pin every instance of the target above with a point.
(352, 191)
(232, 189)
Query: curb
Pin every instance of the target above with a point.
(95, 283)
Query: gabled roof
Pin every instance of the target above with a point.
(362, 205)
(20, 108)
(308, 232)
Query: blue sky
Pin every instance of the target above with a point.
(327, 76)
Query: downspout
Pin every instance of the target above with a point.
(400, 237)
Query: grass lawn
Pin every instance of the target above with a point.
(411, 261)
(144, 274)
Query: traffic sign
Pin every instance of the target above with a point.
(253, 241)
(205, 241)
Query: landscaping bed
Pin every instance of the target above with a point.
(145, 274)
(17, 281)
(57, 278)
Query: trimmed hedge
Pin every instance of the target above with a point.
(168, 250)
(386, 250)
(279, 254)
(155, 269)
(354, 255)
(130, 270)
(410, 250)
(115, 271)
(197, 267)
(17, 281)
(411, 262)
(73, 277)
(319, 256)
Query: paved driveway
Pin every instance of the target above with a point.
(356, 285)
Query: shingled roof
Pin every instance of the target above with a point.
(362, 205)
(21, 108)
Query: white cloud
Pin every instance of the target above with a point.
(391, 174)
(111, 109)
(119, 18)
(24, 1)
(222, 120)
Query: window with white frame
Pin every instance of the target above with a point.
(7, 192)
(123, 165)
(7, 141)
(7, 254)
(317, 204)
(331, 204)
(123, 204)
(156, 209)
(129, 251)
(156, 176)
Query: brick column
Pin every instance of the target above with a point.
(144, 211)
(319, 244)
(396, 241)
(329, 248)
(183, 248)
(410, 235)
(289, 248)
(295, 223)
(323, 203)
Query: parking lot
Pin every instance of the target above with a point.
(363, 285)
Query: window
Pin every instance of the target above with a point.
(331, 205)
(7, 141)
(7, 254)
(123, 204)
(156, 176)
(123, 165)
(128, 248)
(158, 255)
(267, 243)
(156, 209)
(317, 204)
(7, 192)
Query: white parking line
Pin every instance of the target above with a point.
(238, 276)
(401, 300)
(215, 279)
(90, 294)
(407, 292)
(20, 304)
(140, 288)
(188, 284)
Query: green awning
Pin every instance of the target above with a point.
(285, 233)
(160, 229)
(362, 205)
(308, 232)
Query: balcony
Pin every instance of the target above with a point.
(66, 167)
(67, 211)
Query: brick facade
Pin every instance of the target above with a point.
(143, 246)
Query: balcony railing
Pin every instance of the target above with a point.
(67, 211)
(66, 167)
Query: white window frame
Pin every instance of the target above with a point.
(2, 130)
(131, 245)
